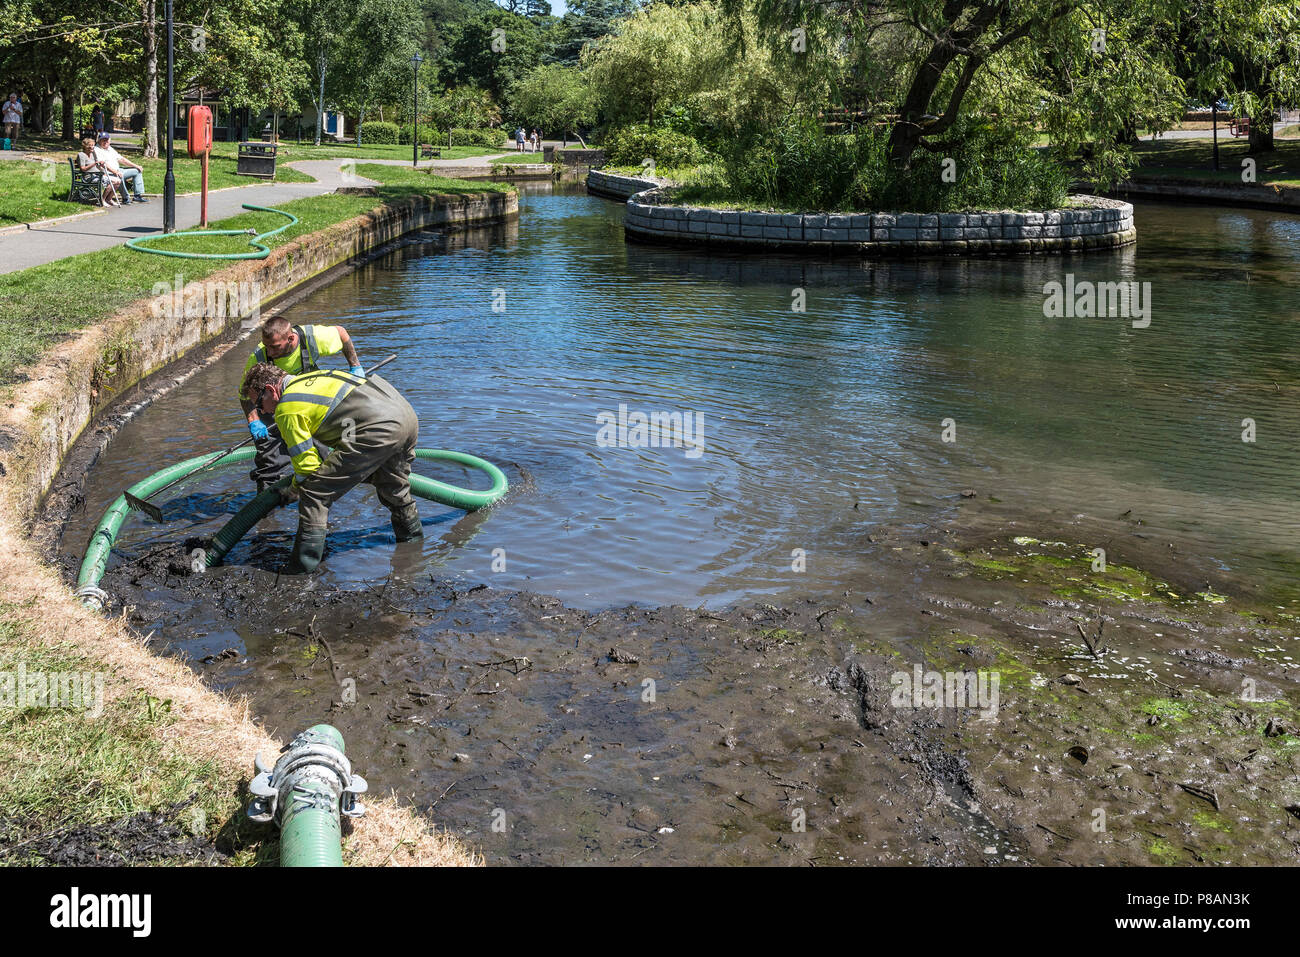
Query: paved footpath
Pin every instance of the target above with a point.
(24, 248)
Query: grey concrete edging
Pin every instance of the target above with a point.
(1101, 224)
(618, 185)
(1250, 196)
(73, 383)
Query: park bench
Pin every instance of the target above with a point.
(429, 151)
(1239, 127)
(87, 186)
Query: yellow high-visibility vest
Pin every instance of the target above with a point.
(306, 401)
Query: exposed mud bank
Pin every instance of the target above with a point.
(1142, 717)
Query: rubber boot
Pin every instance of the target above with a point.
(406, 523)
(308, 548)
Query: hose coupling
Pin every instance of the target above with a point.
(311, 765)
(92, 597)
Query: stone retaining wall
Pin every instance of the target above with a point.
(617, 185)
(1243, 195)
(1105, 223)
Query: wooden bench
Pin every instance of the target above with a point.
(87, 187)
(1239, 127)
(429, 151)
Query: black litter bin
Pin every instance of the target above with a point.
(257, 159)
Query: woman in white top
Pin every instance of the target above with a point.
(88, 163)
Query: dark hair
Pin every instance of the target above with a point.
(276, 326)
(259, 377)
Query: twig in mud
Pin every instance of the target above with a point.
(516, 661)
(334, 671)
(1064, 837)
(467, 690)
(1095, 646)
(1202, 793)
(788, 784)
(1178, 692)
(444, 793)
(516, 753)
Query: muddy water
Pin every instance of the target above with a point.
(817, 427)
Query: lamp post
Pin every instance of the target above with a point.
(169, 181)
(1214, 120)
(416, 60)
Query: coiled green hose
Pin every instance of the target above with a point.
(100, 546)
(262, 250)
(432, 489)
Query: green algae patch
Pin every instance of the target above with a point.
(1211, 821)
(1051, 565)
(1166, 709)
(943, 652)
(1163, 851)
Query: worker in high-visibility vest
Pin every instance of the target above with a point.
(295, 349)
(370, 430)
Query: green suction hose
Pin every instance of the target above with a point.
(100, 547)
(307, 792)
(432, 489)
(262, 250)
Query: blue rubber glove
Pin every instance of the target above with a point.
(258, 428)
(357, 370)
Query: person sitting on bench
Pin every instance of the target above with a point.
(88, 162)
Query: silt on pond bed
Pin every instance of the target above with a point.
(775, 733)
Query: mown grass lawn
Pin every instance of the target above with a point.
(1194, 160)
(41, 305)
(32, 190)
(290, 151)
(514, 159)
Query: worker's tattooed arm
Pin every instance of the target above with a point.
(250, 410)
(349, 350)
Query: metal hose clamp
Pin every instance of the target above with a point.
(306, 756)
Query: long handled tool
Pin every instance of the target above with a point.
(152, 510)
(155, 513)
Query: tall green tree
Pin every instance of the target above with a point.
(555, 99)
(494, 50)
(1248, 51)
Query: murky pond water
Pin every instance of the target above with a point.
(800, 413)
(804, 427)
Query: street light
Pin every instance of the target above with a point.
(416, 60)
(169, 181)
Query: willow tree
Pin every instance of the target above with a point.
(1248, 51)
(554, 98)
(946, 50)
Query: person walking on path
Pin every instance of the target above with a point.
(97, 120)
(12, 116)
(371, 431)
(519, 140)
